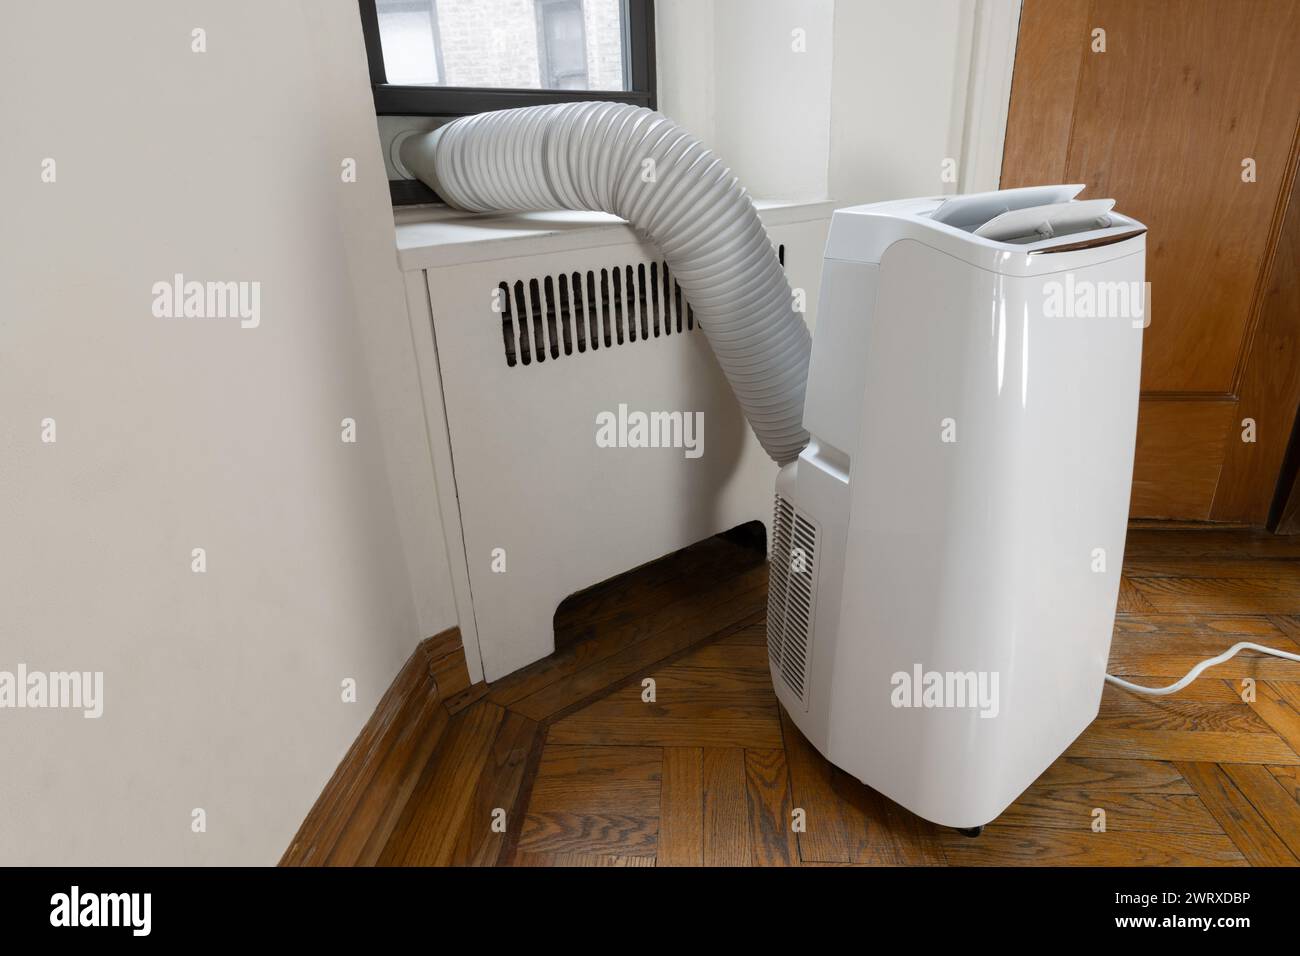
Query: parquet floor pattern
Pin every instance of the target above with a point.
(565, 764)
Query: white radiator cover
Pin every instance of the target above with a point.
(532, 487)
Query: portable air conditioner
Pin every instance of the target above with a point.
(955, 442)
(946, 551)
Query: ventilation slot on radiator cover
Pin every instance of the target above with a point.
(584, 311)
(791, 595)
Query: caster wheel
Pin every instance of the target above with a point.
(971, 832)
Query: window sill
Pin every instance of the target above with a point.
(429, 237)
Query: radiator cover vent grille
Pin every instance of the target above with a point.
(791, 596)
(584, 311)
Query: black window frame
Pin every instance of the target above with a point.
(450, 102)
(453, 101)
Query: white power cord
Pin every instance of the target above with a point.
(1196, 671)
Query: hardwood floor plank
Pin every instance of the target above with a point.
(1231, 568)
(711, 697)
(1289, 779)
(681, 808)
(772, 842)
(1243, 824)
(1278, 705)
(377, 805)
(1276, 593)
(1182, 728)
(580, 860)
(1288, 624)
(430, 826)
(1008, 845)
(652, 587)
(368, 790)
(740, 722)
(1207, 691)
(702, 612)
(1106, 740)
(1175, 714)
(691, 678)
(745, 661)
(1208, 542)
(1272, 801)
(1060, 808)
(693, 724)
(1167, 662)
(599, 778)
(703, 726)
(1235, 627)
(470, 695)
(1131, 600)
(380, 809)
(1100, 774)
(1288, 691)
(610, 833)
(739, 609)
(753, 634)
(479, 843)
(1145, 795)
(726, 824)
(601, 801)
(586, 832)
(1155, 646)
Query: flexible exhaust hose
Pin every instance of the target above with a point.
(642, 167)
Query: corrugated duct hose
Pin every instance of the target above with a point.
(642, 167)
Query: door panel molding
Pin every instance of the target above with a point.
(1161, 121)
(1270, 387)
(1180, 445)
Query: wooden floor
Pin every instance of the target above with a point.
(565, 764)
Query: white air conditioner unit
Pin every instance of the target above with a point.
(946, 551)
(542, 323)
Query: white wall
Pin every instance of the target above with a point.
(685, 52)
(773, 93)
(222, 690)
(735, 73)
(325, 560)
(880, 98)
(345, 109)
(899, 78)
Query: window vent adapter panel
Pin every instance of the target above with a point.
(791, 596)
(589, 309)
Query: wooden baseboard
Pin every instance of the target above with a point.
(355, 814)
(446, 657)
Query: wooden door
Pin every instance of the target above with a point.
(1186, 112)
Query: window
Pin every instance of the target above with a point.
(456, 57)
(562, 47)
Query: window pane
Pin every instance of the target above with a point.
(504, 44)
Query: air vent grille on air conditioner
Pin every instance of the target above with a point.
(791, 595)
(555, 315)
